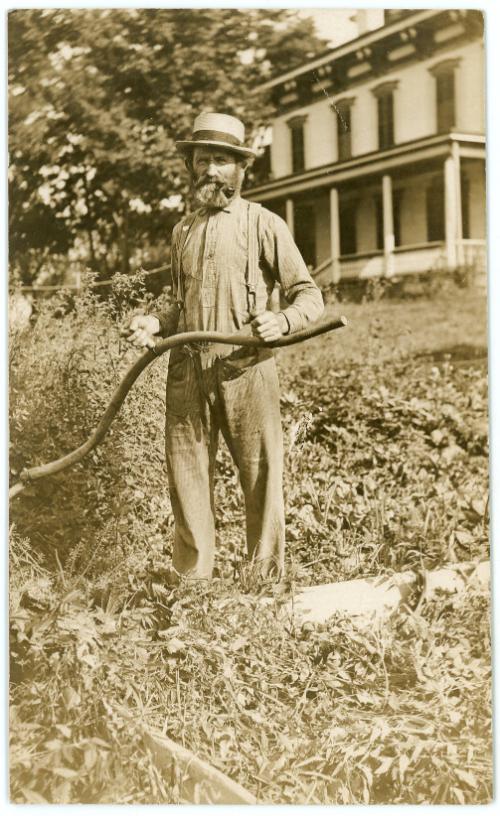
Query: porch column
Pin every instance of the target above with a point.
(289, 217)
(335, 234)
(455, 152)
(453, 209)
(388, 221)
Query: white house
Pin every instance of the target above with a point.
(377, 159)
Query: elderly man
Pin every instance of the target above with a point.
(227, 257)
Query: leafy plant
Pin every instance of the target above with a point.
(387, 469)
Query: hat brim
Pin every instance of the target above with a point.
(185, 146)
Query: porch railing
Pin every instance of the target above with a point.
(362, 265)
(405, 260)
(472, 253)
(417, 258)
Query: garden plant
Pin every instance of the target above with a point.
(386, 470)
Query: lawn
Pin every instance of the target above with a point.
(454, 323)
(386, 469)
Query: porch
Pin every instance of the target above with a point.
(385, 218)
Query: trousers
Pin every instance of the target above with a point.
(236, 396)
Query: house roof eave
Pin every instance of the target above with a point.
(369, 164)
(352, 45)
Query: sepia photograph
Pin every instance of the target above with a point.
(248, 426)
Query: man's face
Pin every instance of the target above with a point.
(217, 175)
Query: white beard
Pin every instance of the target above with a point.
(214, 195)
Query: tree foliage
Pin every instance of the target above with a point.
(98, 98)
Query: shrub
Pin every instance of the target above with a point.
(63, 372)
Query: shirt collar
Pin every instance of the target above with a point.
(233, 205)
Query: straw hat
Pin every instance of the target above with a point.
(217, 130)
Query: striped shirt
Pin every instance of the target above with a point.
(210, 277)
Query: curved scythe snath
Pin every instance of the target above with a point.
(29, 475)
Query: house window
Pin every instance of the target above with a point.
(385, 114)
(445, 101)
(297, 148)
(444, 75)
(435, 209)
(385, 104)
(296, 126)
(347, 218)
(342, 112)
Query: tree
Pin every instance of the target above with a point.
(98, 98)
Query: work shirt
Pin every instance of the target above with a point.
(209, 280)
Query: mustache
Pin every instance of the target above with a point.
(215, 185)
(205, 180)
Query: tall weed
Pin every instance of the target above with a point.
(63, 372)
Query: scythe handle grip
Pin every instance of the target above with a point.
(244, 338)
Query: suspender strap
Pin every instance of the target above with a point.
(252, 270)
(185, 230)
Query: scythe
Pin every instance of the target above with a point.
(29, 475)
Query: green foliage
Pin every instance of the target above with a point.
(395, 470)
(73, 360)
(73, 739)
(98, 98)
(387, 469)
(346, 712)
(341, 713)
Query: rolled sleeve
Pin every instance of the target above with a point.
(280, 254)
(169, 320)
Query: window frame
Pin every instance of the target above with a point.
(446, 110)
(386, 120)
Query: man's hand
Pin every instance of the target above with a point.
(141, 329)
(269, 326)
